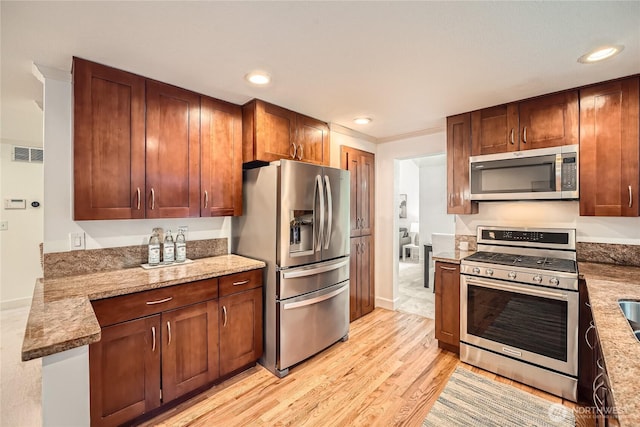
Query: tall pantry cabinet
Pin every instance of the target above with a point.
(361, 164)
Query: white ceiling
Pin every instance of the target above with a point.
(405, 64)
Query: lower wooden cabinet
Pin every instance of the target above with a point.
(240, 330)
(594, 389)
(189, 348)
(141, 364)
(124, 369)
(361, 285)
(447, 307)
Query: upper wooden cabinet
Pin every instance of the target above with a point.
(609, 153)
(272, 133)
(220, 158)
(361, 165)
(542, 122)
(173, 152)
(458, 150)
(109, 142)
(145, 149)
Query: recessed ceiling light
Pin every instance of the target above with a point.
(600, 54)
(362, 120)
(259, 78)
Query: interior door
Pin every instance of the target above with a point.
(302, 213)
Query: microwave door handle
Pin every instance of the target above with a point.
(320, 193)
(558, 172)
(329, 211)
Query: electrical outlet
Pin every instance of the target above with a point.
(76, 241)
(4, 225)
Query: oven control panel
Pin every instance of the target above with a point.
(551, 279)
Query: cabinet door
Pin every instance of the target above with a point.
(274, 132)
(312, 140)
(125, 371)
(609, 154)
(361, 278)
(240, 330)
(173, 152)
(365, 282)
(458, 149)
(361, 166)
(189, 348)
(108, 142)
(549, 121)
(447, 289)
(494, 130)
(586, 345)
(220, 158)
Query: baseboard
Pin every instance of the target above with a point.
(15, 303)
(386, 303)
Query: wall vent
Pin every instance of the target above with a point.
(27, 154)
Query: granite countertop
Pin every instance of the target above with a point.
(606, 284)
(62, 317)
(451, 257)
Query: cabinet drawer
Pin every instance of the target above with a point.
(126, 307)
(239, 282)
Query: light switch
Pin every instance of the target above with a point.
(76, 241)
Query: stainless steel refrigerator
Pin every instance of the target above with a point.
(296, 219)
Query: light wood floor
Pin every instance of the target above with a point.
(389, 372)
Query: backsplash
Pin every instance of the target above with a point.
(73, 263)
(471, 240)
(608, 253)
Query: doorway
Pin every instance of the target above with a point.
(422, 187)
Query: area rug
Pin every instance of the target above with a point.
(469, 399)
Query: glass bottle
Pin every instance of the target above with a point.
(154, 249)
(169, 248)
(181, 247)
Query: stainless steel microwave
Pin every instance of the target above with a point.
(542, 174)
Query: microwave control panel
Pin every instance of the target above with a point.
(569, 172)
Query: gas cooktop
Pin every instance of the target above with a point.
(525, 261)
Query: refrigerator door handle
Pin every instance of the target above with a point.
(327, 239)
(320, 192)
(314, 271)
(315, 300)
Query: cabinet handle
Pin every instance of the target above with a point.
(586, 335)
(153, 199)
(224, 313)
(524, 135)
(160, 301)
(447, 268)
(293, 154)
(511, 138)
(206, 198)
(153, 337)
(169, 331)
(138, 196)
(630, 197)
(300, 153)
(243, 282)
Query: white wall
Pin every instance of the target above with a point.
(552, 214)
(433, 198)
(387, 176)
(58, 187)
(409, 184)
(19, 245)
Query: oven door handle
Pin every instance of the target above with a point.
(520, 290)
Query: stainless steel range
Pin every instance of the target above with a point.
(519, 307)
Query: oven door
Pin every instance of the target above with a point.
(528, 323)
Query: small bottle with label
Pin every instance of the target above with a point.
(154, 249)
(169, 248)
(181, 247)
